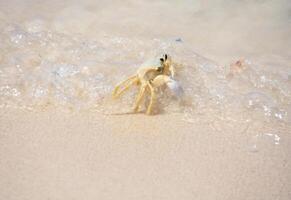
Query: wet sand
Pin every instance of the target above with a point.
(57, 155)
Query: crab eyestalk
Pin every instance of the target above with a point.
(166, 66)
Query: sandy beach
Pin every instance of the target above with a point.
(224, 133)
(56, 155)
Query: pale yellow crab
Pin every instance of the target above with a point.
(149, 78)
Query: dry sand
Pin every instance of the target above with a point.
(56, 155)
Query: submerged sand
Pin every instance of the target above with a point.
(68, 155)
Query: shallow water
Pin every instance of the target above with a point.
(70, 55)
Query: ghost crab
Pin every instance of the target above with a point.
(148, 79)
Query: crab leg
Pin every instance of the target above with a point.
(139, 97)
(116, 89)
(134, 81)
(153, 96)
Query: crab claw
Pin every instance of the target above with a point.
(172, 84)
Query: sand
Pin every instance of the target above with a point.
(69, 155)
(72, 53)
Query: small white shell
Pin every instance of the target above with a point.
(175, 87)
